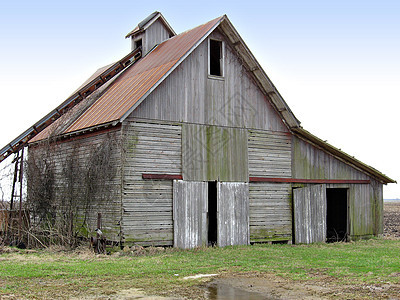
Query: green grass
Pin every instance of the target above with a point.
(43, 273)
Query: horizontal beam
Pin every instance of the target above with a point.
(267, 179)
(162, 176)
(320, 181)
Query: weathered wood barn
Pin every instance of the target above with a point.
(195, 146)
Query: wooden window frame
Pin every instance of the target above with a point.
(222, 76)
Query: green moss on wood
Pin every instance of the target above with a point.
(131, 143)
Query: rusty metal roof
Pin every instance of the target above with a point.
(138, 80)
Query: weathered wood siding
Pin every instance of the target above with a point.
(310, 214)
(376, 192)
(154, 35)
(365, 200)
(361, 211)
(270, 211)
(233, 213)
(270, 154)
(71, 160)
(309, 162)
(212, 153)
(189, 95)
(147, 204)
(190, 214)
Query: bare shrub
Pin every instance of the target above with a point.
(65, 183)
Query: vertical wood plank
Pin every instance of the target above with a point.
(310, 214)
(233, 213)
(214, 153)
(190, 215)
(188, 95)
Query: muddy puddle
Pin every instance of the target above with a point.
(221, 291)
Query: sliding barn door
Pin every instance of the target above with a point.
(190, 200)
(233, 213)
(310, 214)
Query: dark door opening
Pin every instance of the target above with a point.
(212, 213)
(336, 215)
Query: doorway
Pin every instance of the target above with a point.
(336, 216)
(212, 213)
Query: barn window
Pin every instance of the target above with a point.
(216, 58)
(138, 43)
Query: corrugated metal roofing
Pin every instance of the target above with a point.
(136, 81)
(62, 123)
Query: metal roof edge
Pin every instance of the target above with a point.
(343, 156)
(259, 73)
(124, 116)
(148, 21)
(80, 132)
(160, 16)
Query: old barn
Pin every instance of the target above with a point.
(186, 142)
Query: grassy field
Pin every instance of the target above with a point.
(45, 274)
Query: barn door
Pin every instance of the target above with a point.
(310, 214)
(190, 201)
(233, 213)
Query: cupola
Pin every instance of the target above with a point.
(150, 32)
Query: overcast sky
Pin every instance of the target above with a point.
(336, 63)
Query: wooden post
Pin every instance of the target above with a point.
(101, 241)
(21, 172)
(71, 227)
(14, 181)
(98, 221)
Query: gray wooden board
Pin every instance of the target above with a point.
(310, 214)
(214, 153)
(310, 162)
(155, 34)
(270, 210)
(269, 154)
(233, 213)
(151, 147)
(189, 95)
(190, 213)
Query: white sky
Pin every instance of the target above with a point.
(336, 64)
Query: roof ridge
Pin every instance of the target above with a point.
(223, 16)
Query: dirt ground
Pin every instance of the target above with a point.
(391, 220)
